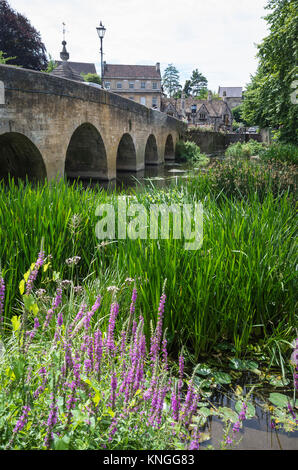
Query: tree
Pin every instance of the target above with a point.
(3, 59)
(267, 99)
(19, 39)
(198, 82)
(52, 64)
(92, 77)
(187, 89)
(171, 80)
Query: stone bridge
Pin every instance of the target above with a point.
(51, 127)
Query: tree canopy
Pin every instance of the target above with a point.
(198, 83)
(171, 80)
(268, 97)
(20, 40)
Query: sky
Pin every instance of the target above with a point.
(217, 37)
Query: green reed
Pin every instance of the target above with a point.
(239, 287)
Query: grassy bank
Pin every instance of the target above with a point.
(238, 288)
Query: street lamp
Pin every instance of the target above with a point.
(101, 33)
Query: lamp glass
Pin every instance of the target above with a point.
(101, 31)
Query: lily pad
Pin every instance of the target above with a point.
(279, 400)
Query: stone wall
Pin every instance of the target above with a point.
(216, 142)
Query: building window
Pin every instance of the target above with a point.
(154, 101)
(143, 100)
(119, 85)
(224, 93)
(202, 116)
(107, 85)
(131, 84)
(143, 85)
(154, 85)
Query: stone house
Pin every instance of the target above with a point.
(210, 112)
(231, 95)
(141, 83)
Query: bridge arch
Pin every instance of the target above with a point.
(86, 155)
(126, 154)
(151, 152)
(20, 158)
(169, 148)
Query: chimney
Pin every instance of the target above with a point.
(183, 103)
(157, 66)
(209, 95)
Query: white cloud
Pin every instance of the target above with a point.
(215, 36)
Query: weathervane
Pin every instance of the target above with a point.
(64, 55)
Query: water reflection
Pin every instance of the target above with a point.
(159, 175)
(257, 433)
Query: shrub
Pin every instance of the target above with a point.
(189, 151)
(247, 149)
(281, 152)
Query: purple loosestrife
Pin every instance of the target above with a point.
(22, 421)
(241, 417)
(113, 390)
(55, 304)
(294, 359)
(132, 309)
(195, 442)
(90, 314)
(40, 389)
(112, 320)
(52, 420)
(2, 296)
(155, 340)
(33, 273)
(97, 351)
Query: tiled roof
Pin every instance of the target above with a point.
(131, 71)
(81, 67)
(215, 108)
(64, 70)
(231, 91)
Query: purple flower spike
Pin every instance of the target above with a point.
(22, 421)
(2, 295)
(33, 274)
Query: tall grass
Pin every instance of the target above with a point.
(239, 287)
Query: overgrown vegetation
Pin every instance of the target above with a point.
(276, 152)
(72, 377)
(187, 151)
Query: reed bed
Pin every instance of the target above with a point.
(239, 287)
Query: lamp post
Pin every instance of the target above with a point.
(101, 33)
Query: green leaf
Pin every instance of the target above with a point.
(16, 322)
(279, 400)
(240, 364)
(203, 370)
(61, 444)
(22, 287)
(28, 301)
(228, 414)
(222, 377)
